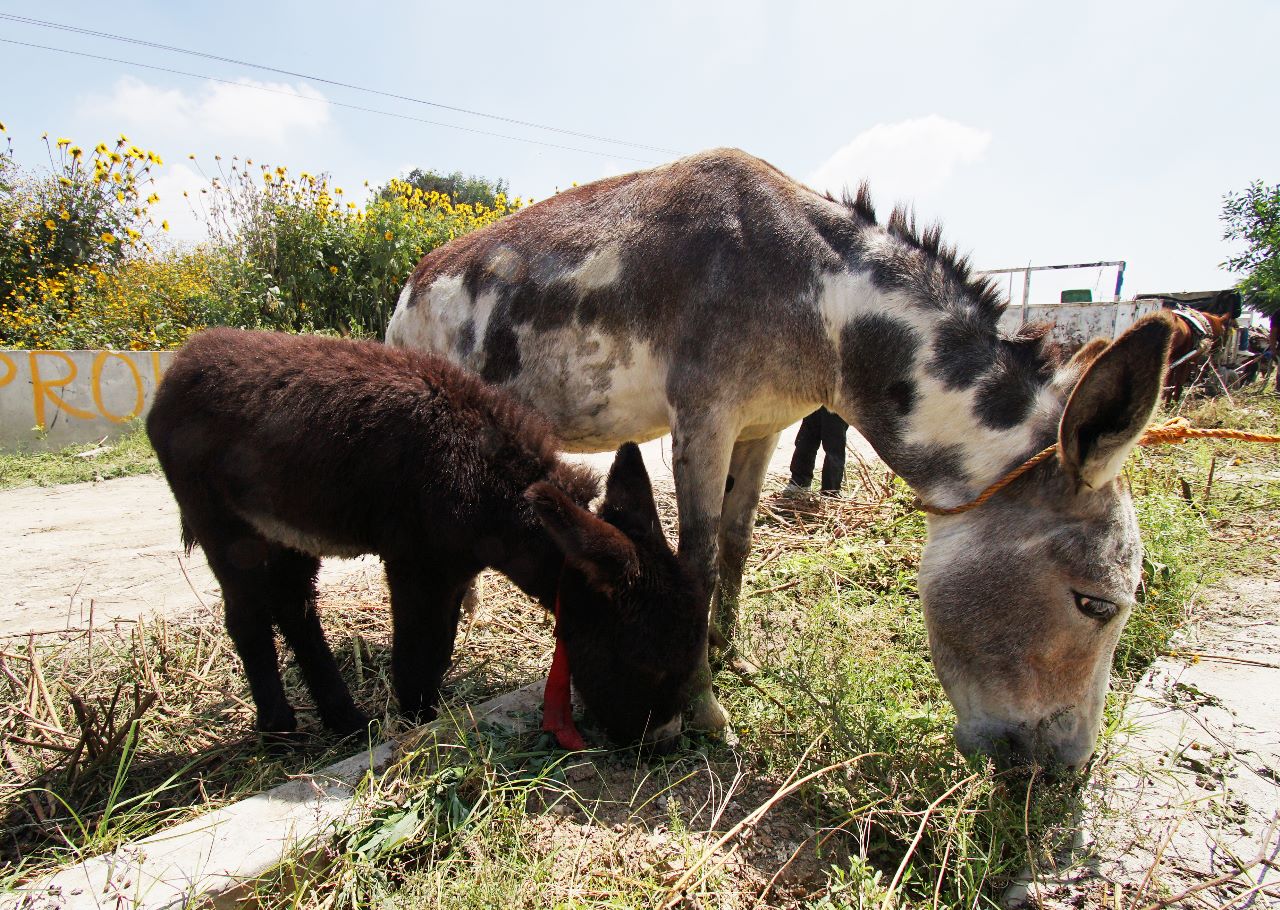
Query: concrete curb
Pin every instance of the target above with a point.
(206, 860)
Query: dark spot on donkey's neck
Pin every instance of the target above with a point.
(877, 360)
(878, 356)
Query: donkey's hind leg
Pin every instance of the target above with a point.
(425, 606)
(747, 468)
(292, 594)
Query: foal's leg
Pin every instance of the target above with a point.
(237, 557)
(747, 467)
(292, 595)
(425, 606)
(701, 448)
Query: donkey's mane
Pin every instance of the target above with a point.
(956, 268)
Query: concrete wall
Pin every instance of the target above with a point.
(53, 399)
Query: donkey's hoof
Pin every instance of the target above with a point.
(706, 714)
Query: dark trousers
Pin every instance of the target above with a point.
(820, 427)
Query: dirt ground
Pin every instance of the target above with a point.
(101, 552)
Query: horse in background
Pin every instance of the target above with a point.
(1196, 335)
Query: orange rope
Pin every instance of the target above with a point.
(1173, 431)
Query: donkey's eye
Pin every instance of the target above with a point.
(1094, 607)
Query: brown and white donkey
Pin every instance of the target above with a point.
(719, 299)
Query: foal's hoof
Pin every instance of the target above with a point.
(277, 724)
(706, 714)
(349, 723)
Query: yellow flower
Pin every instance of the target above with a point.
(133, 235)
(120, 195)
(388, 235)
(333, 270)
(76, 151)
(164, 225)
(64, 215)
(50, 224)
(152, 198)
(100, 148)
(62, 142)
(107, 237)
(64, 181)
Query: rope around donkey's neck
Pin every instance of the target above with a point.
(1172, 431)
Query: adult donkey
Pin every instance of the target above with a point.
(719, 299)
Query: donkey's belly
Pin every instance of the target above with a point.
(597, 395)
(285, 534)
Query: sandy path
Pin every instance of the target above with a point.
(110, 550)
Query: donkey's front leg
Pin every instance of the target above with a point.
(747, 468)
(701, 450)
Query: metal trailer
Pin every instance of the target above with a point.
(1075, 322)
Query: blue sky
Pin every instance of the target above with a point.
(1037, 133)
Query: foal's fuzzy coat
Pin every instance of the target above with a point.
(281, 449)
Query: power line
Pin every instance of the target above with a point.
(27, 20)
(321, 100)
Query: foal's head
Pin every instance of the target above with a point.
(1026, 595)
(633, 621)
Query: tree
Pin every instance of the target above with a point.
(1253, 215)
(462, 190)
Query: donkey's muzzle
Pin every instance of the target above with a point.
(1014, 748)
(664, 739)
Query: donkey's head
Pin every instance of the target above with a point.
(1026, 595)
(631, 618)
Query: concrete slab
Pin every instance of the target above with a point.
(209, 858)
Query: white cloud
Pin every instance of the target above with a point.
(186, 215)
(267, 112)
(903, 160)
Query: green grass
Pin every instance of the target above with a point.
(492, 819)
(130, 454)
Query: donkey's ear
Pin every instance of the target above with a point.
(628, 495)
(595, 548)
(1113, 402)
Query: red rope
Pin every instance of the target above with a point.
(557, 701)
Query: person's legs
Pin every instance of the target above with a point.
(833, 452)
(806, 454)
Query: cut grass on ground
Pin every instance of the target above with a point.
(122, 457)
(846, 694)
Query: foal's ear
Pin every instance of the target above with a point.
(595, 548)
(1113, 402)
(628, 495)
(1088, 353)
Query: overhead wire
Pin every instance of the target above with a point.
(42, 23)
(323, 100)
